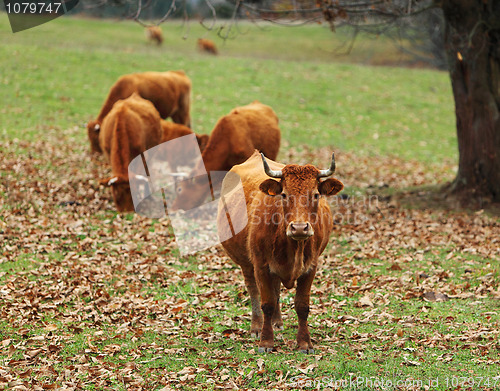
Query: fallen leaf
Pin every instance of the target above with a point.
(33, 353)
(394, 266)
(435, 296)
(365, 301)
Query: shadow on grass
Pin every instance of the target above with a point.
(440, 197)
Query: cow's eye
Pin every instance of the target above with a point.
(283, 195)
(179, 190)
(316, 196)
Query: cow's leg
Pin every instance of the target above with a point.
(181, 115)
(302, 296)
(253, 291)
(277, 321)
(265, 282)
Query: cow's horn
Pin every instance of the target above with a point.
(329, 171)
(141, 178)
(112, 180)
(271, 173)
(97, 127)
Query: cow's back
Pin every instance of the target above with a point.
(261, 125)
(237, 135)
(168, 91)
(158, 88)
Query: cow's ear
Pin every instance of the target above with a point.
(271, 187)
(330, 186)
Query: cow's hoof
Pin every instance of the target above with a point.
(254, 334)
(307, 351)
(278, 327)
(263, 349)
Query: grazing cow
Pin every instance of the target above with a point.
(206, 45)
(130, 128)
(184, 154)
(233, 140)
(154, 34)
(289, 223)
(168, 91)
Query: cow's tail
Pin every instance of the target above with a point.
(115, 93)
(120, 148)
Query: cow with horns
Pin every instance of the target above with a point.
(289, 224)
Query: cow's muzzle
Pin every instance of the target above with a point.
(299, 230)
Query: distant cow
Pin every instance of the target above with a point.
(130, 128)
(154, 34)
(289, 223)
(184, 155)
(168, 91)
(232, 141)
(206, 45)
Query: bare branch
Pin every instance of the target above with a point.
(186, 21)
(169, 12)
(96, 5)
(231, 23)
(214, 16)
(139, 9)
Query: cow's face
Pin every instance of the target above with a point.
(120, 188)
(93, 129)
(299, 192)
(191, 192)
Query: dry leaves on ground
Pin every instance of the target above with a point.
(74, 273)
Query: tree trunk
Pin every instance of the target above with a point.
(472, 41)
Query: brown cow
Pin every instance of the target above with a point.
(168, 91)
(289, 223)
(171, 131)
(206, 45)
(154, 34)
(130, 128)
(232, 141)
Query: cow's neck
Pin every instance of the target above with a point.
(294, 261)
(298, 257)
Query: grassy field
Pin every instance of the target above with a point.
(373, 110)
(91, 299)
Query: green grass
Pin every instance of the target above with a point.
(210, 334)
(57, 75)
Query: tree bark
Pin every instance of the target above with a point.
(472, 41)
